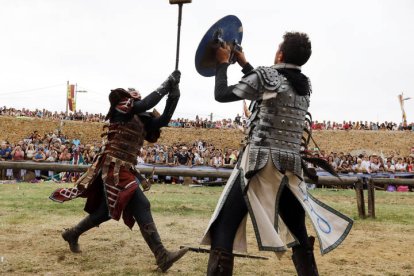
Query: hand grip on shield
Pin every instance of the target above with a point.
(234, 45)
(226, 32)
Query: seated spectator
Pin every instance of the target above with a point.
(344, 167)
(374, 164)
(332, 162)
(206, 156)
(400, 166)
(171, 159)
(17, 153)
(150, 158)
(227, 160)
(5, 152)
(217, 160)
(183, 157)
(30, 152)
(197, 159)
(65, 156)
(360, 167)
(160, 158)
(39, 156)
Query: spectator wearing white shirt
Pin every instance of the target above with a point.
(400, 166)
(389, 167)
(374, 164)
(361, 167)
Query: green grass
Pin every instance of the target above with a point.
(27, 203)
(30, 227)
(24, 199)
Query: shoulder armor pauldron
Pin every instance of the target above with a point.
(269, 77)
(252, 80)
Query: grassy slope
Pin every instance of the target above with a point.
(13, 130)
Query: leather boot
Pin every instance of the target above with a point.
(71, 235)
(164, 258)
(220, 263)
(304, 259)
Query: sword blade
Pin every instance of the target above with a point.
(241, 255)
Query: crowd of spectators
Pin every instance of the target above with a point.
(361, 125)
(202, 123)
(238, 122)
(56, 147)
(51, 115)
(49, 147)
(366, 164)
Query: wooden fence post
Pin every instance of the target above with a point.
(371, 199)
(359, 190)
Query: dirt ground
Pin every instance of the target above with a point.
(113, 249)
(30, 241)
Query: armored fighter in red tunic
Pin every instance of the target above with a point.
(111, 184)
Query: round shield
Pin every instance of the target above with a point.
(229, 29)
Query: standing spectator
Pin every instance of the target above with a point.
(237, 119)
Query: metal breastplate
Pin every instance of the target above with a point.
(124, 140)
(276, 129)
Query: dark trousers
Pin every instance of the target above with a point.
(138, 204)
(225, 227)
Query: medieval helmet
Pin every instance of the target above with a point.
(117, 95)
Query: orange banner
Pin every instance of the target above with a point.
(71, 97)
